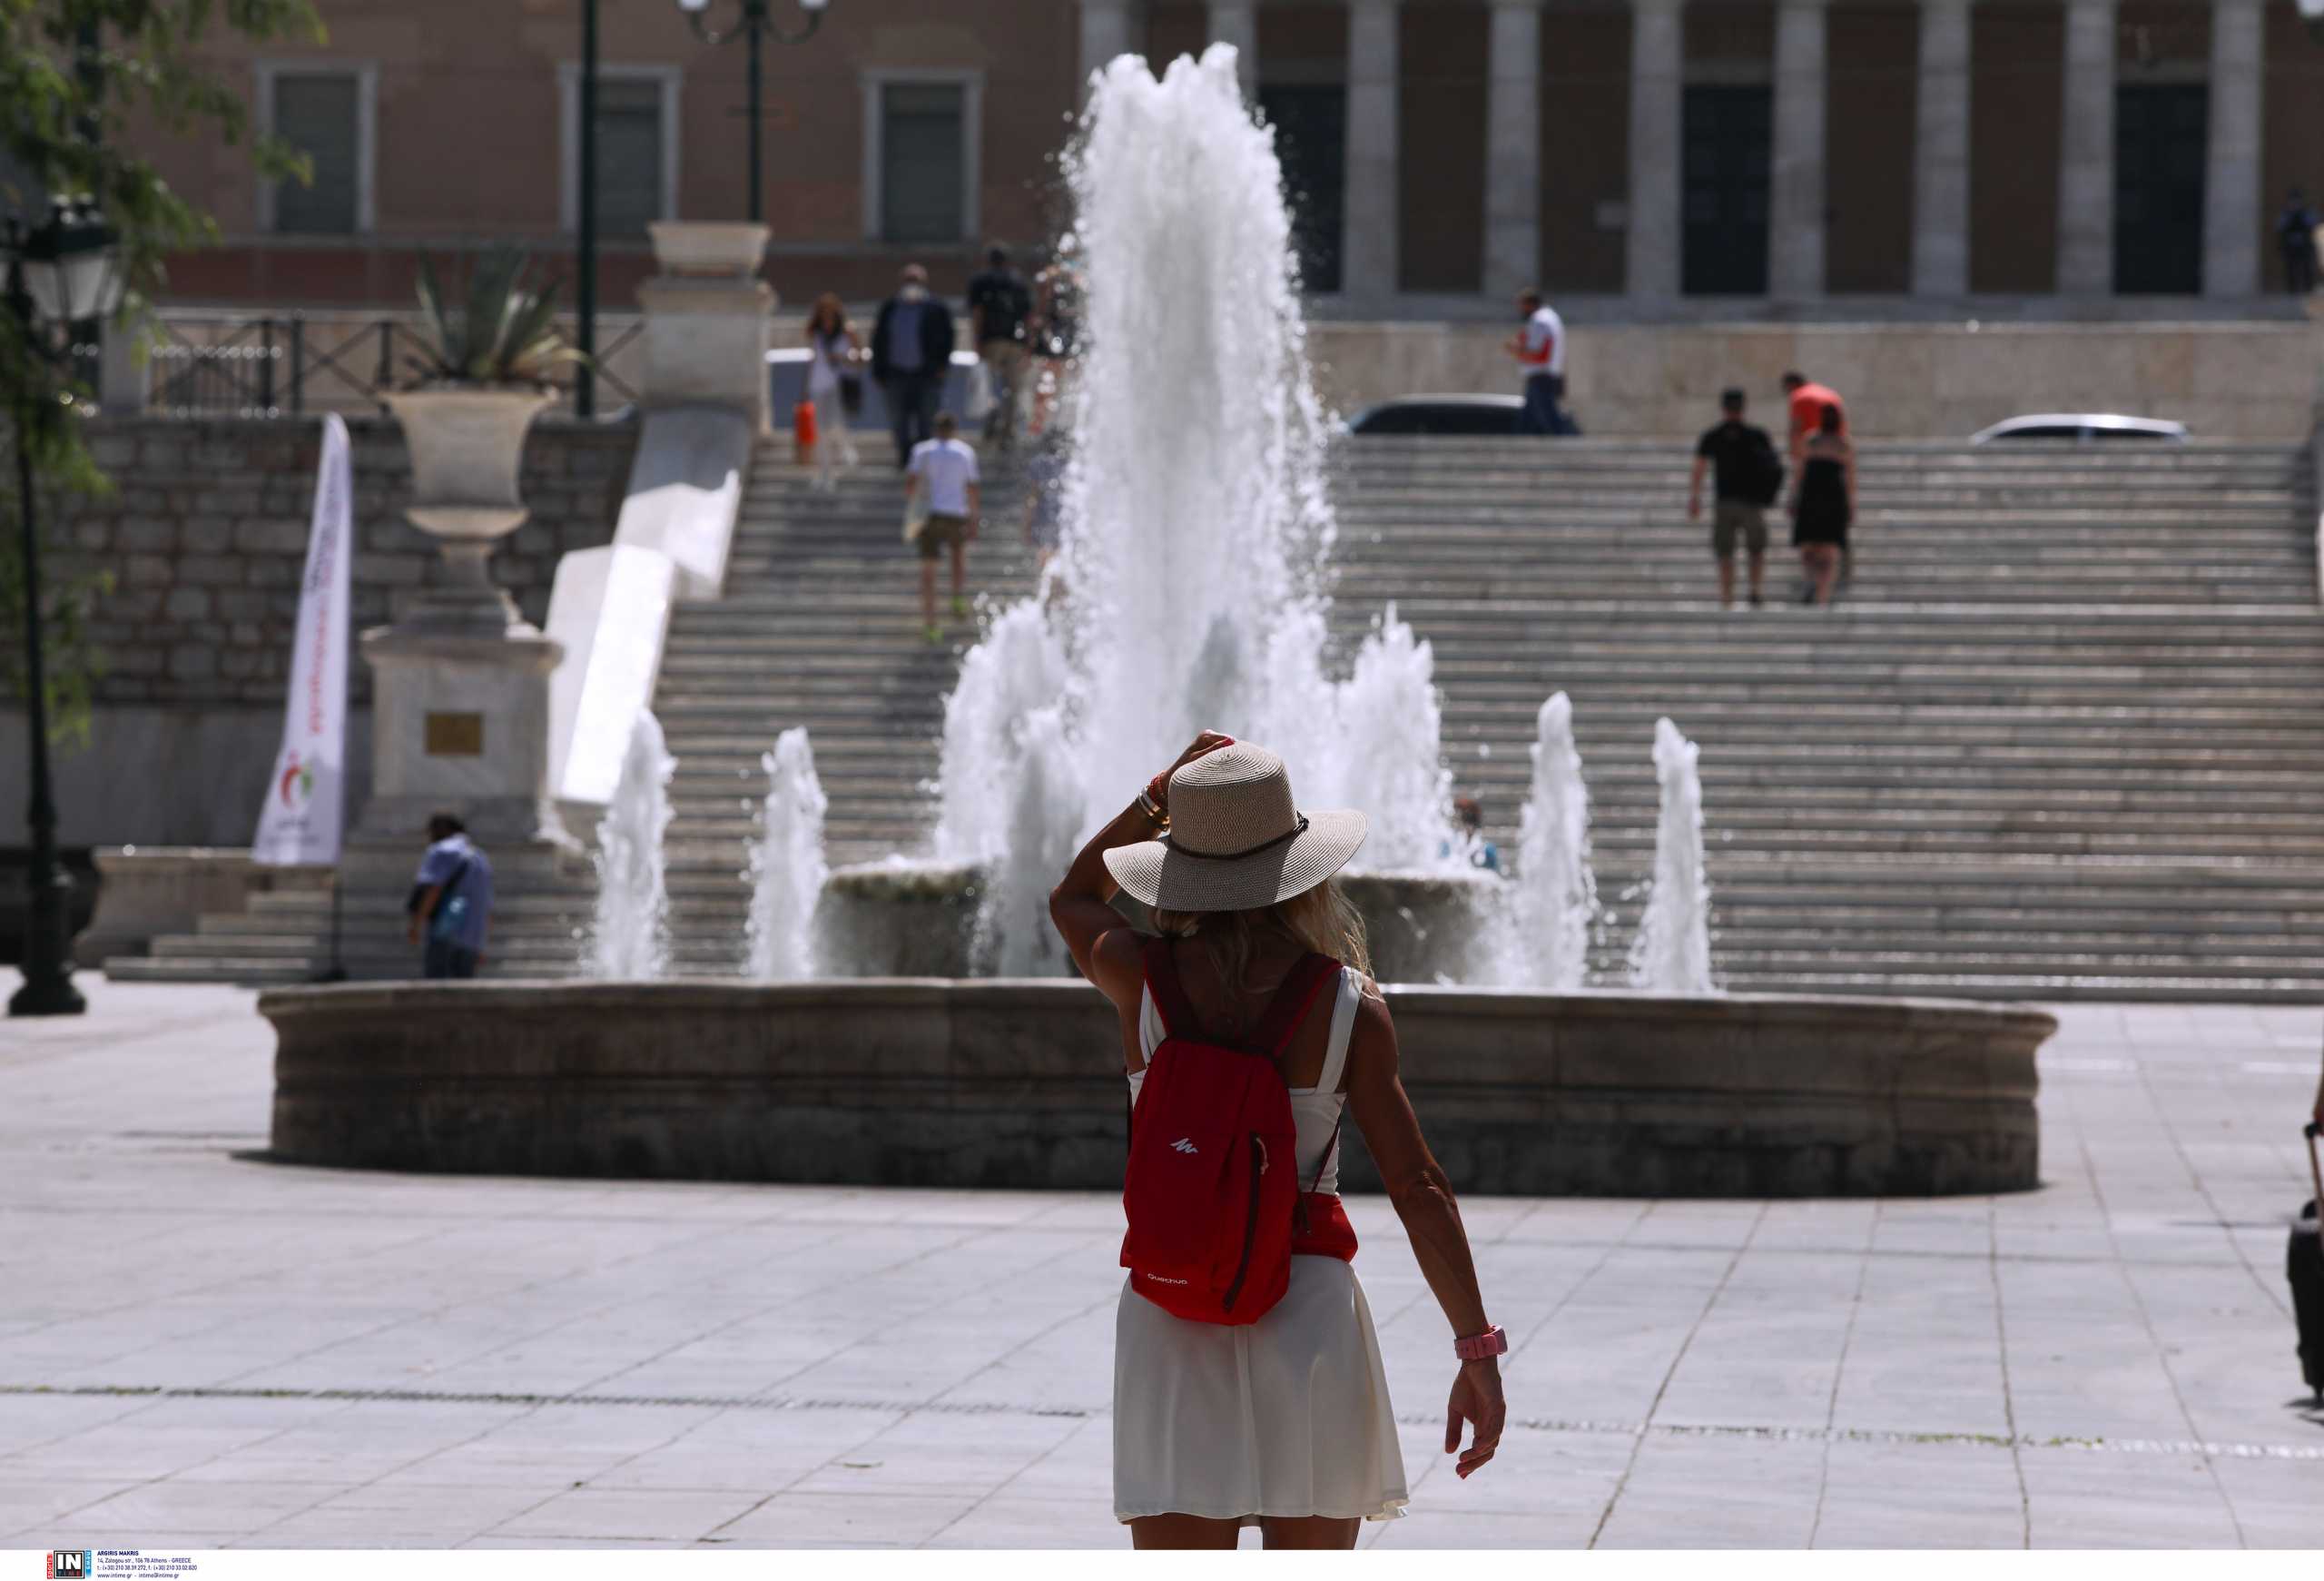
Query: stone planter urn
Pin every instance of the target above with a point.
(467, 446)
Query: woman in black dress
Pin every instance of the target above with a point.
(1824, 504)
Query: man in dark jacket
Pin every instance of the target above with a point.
(912, 351)
(2296, 239)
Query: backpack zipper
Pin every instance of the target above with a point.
(1250, 1228)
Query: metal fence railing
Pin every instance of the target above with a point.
(202, 364)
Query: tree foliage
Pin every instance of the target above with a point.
(76, 78)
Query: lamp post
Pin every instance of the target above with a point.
(63, 272)
(756, 25)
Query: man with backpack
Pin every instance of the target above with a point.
(451, 902)
(1000, 305)
(1746, 478)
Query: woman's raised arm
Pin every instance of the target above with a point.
(1081, 905)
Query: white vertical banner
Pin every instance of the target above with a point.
(298, 823)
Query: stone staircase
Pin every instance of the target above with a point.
(2057, 740)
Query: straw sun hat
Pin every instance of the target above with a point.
(1237, 841)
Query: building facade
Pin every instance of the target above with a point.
(1662, 157)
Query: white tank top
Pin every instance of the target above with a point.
(1314, 1110)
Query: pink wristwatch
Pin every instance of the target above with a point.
(1493, 1341)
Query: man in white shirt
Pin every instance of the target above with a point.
(1540, 347)
(942, 495)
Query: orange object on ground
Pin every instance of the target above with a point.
(802, 426)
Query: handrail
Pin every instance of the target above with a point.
(222, 365)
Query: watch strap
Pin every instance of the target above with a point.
(1493, 1341)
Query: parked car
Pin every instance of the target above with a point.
(2084, 428)
(1440, 414)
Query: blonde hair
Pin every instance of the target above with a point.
(1321, 919)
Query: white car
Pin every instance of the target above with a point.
(2084, 428)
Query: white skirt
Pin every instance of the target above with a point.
(1288, 1416)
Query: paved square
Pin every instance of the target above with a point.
(199, 1349)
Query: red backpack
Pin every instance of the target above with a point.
(1212, 1190)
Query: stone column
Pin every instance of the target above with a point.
(1369, 266)
(1513, 148)
(2086, 152)
(2232, 208)
(1795, 183)
(1941, 153)
(1652, 251)
(1236, 22)
(1105, 34)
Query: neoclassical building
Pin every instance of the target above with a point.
(1641, 158)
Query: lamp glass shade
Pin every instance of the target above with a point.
(72, 267)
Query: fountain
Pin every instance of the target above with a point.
(787, 868)
(631, 938)
(1556, 897)
(1196, 528)
(1671, 952)
(1189, 591)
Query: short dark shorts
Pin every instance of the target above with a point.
(939, 532)
(1734, 518)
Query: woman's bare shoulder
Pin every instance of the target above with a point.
(1117, 964)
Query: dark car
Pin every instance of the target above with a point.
(1468, 415)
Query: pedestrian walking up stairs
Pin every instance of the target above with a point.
(2061, 737)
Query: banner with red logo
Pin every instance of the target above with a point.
(298, 823)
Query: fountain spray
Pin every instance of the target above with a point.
(1556, 895)
(631, 939)
(1196, 529)
(1671, 954)
(787, 865)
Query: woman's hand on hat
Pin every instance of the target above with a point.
(1204, 743)
(1158, 788)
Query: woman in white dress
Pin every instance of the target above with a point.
(833, 353)
(1283, 1423)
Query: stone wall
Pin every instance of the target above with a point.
(205, 534)
(2251, 380)
(999, 1084)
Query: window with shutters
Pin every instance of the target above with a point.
(921, 157)
(326, 114)
(636, 152)
(629, 156)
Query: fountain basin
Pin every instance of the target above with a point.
(919, 919)
(1015, 1083)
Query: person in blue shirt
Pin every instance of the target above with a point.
(451, 902)
(1480, 851)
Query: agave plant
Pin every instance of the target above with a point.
(504, 333)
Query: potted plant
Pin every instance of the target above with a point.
(481, 376)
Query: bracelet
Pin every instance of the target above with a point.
(1146, 806)
(1493, 1341)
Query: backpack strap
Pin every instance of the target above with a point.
(1178, 1018)
(1292, 1001)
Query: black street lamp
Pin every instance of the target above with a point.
(64, 271)
(756, 25)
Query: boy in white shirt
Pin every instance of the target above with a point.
(1540, 348)
(943, 474)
